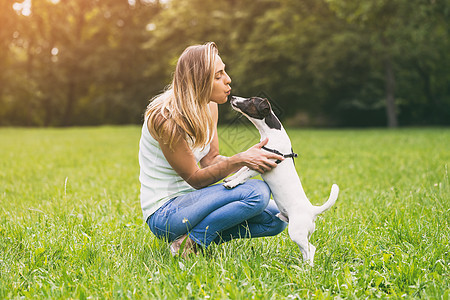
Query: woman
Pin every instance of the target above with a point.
(179, 134)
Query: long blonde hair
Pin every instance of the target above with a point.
(182, 109)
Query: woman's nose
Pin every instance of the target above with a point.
(227, 79)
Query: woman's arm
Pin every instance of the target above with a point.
(214, 166)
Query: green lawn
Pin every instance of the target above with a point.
(71, 227)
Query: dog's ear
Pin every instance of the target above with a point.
(269, 117)
(272, 121)
(264, 108)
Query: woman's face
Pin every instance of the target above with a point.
(221, 86)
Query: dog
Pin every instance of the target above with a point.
(283, 180)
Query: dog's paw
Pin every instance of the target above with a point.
(230, 184)
(227, 186)
(232, 177)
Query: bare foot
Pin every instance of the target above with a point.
(184, 244)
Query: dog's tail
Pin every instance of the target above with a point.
(330, 202)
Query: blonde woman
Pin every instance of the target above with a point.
(180, 162)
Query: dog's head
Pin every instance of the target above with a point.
(256, 108)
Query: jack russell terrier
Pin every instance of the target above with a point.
(283, 180)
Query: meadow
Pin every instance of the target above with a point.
(71, 225)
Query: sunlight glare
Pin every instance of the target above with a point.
(150, 27)
(24, 8)
(55, 51)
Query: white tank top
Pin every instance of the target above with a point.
(159, 182)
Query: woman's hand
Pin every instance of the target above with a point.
(258, 159)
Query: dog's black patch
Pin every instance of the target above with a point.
(272, 121)
(259, 108)
(255, 107)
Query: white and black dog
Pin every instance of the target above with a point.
(283, 180)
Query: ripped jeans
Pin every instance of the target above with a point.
(216, 214)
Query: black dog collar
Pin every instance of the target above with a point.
(292, 154)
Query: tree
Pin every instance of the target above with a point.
(393, 27)
(83, 62)
(338, 62)
(8, 18)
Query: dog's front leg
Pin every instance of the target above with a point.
(236, 175)
(240, 177)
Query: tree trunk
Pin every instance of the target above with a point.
(391, 109)
(28, 91)
(76, 72)
(67, 117)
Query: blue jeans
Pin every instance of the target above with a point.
(216, 214)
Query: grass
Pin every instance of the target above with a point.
(71, 227)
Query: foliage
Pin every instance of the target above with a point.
(333, 62)
(78, 62)
(71, 227)
(399, 33)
